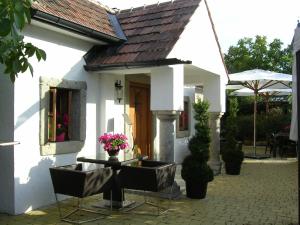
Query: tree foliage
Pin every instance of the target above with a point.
(14, 52)
(259, 54)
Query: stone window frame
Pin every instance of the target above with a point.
(55, 148)
(185, 133)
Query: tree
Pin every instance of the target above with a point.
(259, 54)
(14, 52)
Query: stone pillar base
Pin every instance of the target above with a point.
(166, 135)
(216, 166)
(215, 161)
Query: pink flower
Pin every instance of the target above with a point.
(113, 141)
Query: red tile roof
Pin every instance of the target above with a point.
(82, 12)
(151, 32)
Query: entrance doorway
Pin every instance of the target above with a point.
(140, 116)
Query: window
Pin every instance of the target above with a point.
(59, 114)
(184, 118)
(62, 116)
(183, 121)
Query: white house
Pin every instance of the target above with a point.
(135, 72)
(294, 134)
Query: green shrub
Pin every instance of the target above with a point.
(195, 171)
(232, 152)
(273, 122)
(194, 166)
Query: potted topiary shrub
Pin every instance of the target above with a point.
(195, 170)
(232, 153)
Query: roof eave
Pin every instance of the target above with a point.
(67, 25)
(135, 65)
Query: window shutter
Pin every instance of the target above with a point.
(69, 113)
(52, 115)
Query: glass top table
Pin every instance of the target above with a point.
(114, 197)
(109, 162)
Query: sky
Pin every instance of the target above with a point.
(236, 19)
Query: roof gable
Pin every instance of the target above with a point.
(199, 43)
(151, 33)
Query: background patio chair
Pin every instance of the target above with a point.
(72, 180)
(270, 143)
(151, 176)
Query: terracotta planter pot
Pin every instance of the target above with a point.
(196, 190)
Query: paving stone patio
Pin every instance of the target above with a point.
(265, 193)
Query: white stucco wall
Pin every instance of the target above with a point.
(7, 152)
(167, 88)
(197, 43)
(33, 187)
(111, 111)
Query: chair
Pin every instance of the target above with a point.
(73, 180)
(270, 144)
(151, 176)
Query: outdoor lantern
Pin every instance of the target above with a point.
(119, 90)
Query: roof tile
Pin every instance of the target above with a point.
(81, 12)
(152, 32)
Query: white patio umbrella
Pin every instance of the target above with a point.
(266, 93)
(257, 80)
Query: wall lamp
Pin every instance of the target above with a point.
(119, 90)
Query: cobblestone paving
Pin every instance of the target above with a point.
(264, 194)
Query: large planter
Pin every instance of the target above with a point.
(196, 190)
(233, 168)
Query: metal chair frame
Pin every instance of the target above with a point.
(149, 177)
(160, 209)
(79, 207)
(84, 183)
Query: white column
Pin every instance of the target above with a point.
(167, 88)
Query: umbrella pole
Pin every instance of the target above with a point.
(254, 122)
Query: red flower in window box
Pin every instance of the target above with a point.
(60, 133)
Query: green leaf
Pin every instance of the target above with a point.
(24, 63)
(30, 49)
(16, 66)
(19, 20)
(30, 68)
(38, 54)
(43, 54)
(5, 27)
(28, 16)
(27, 3)
(14, 52)
(12, 77)
(19, 7)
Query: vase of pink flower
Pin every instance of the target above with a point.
(113, 143)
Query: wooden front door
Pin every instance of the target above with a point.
(140, 116)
